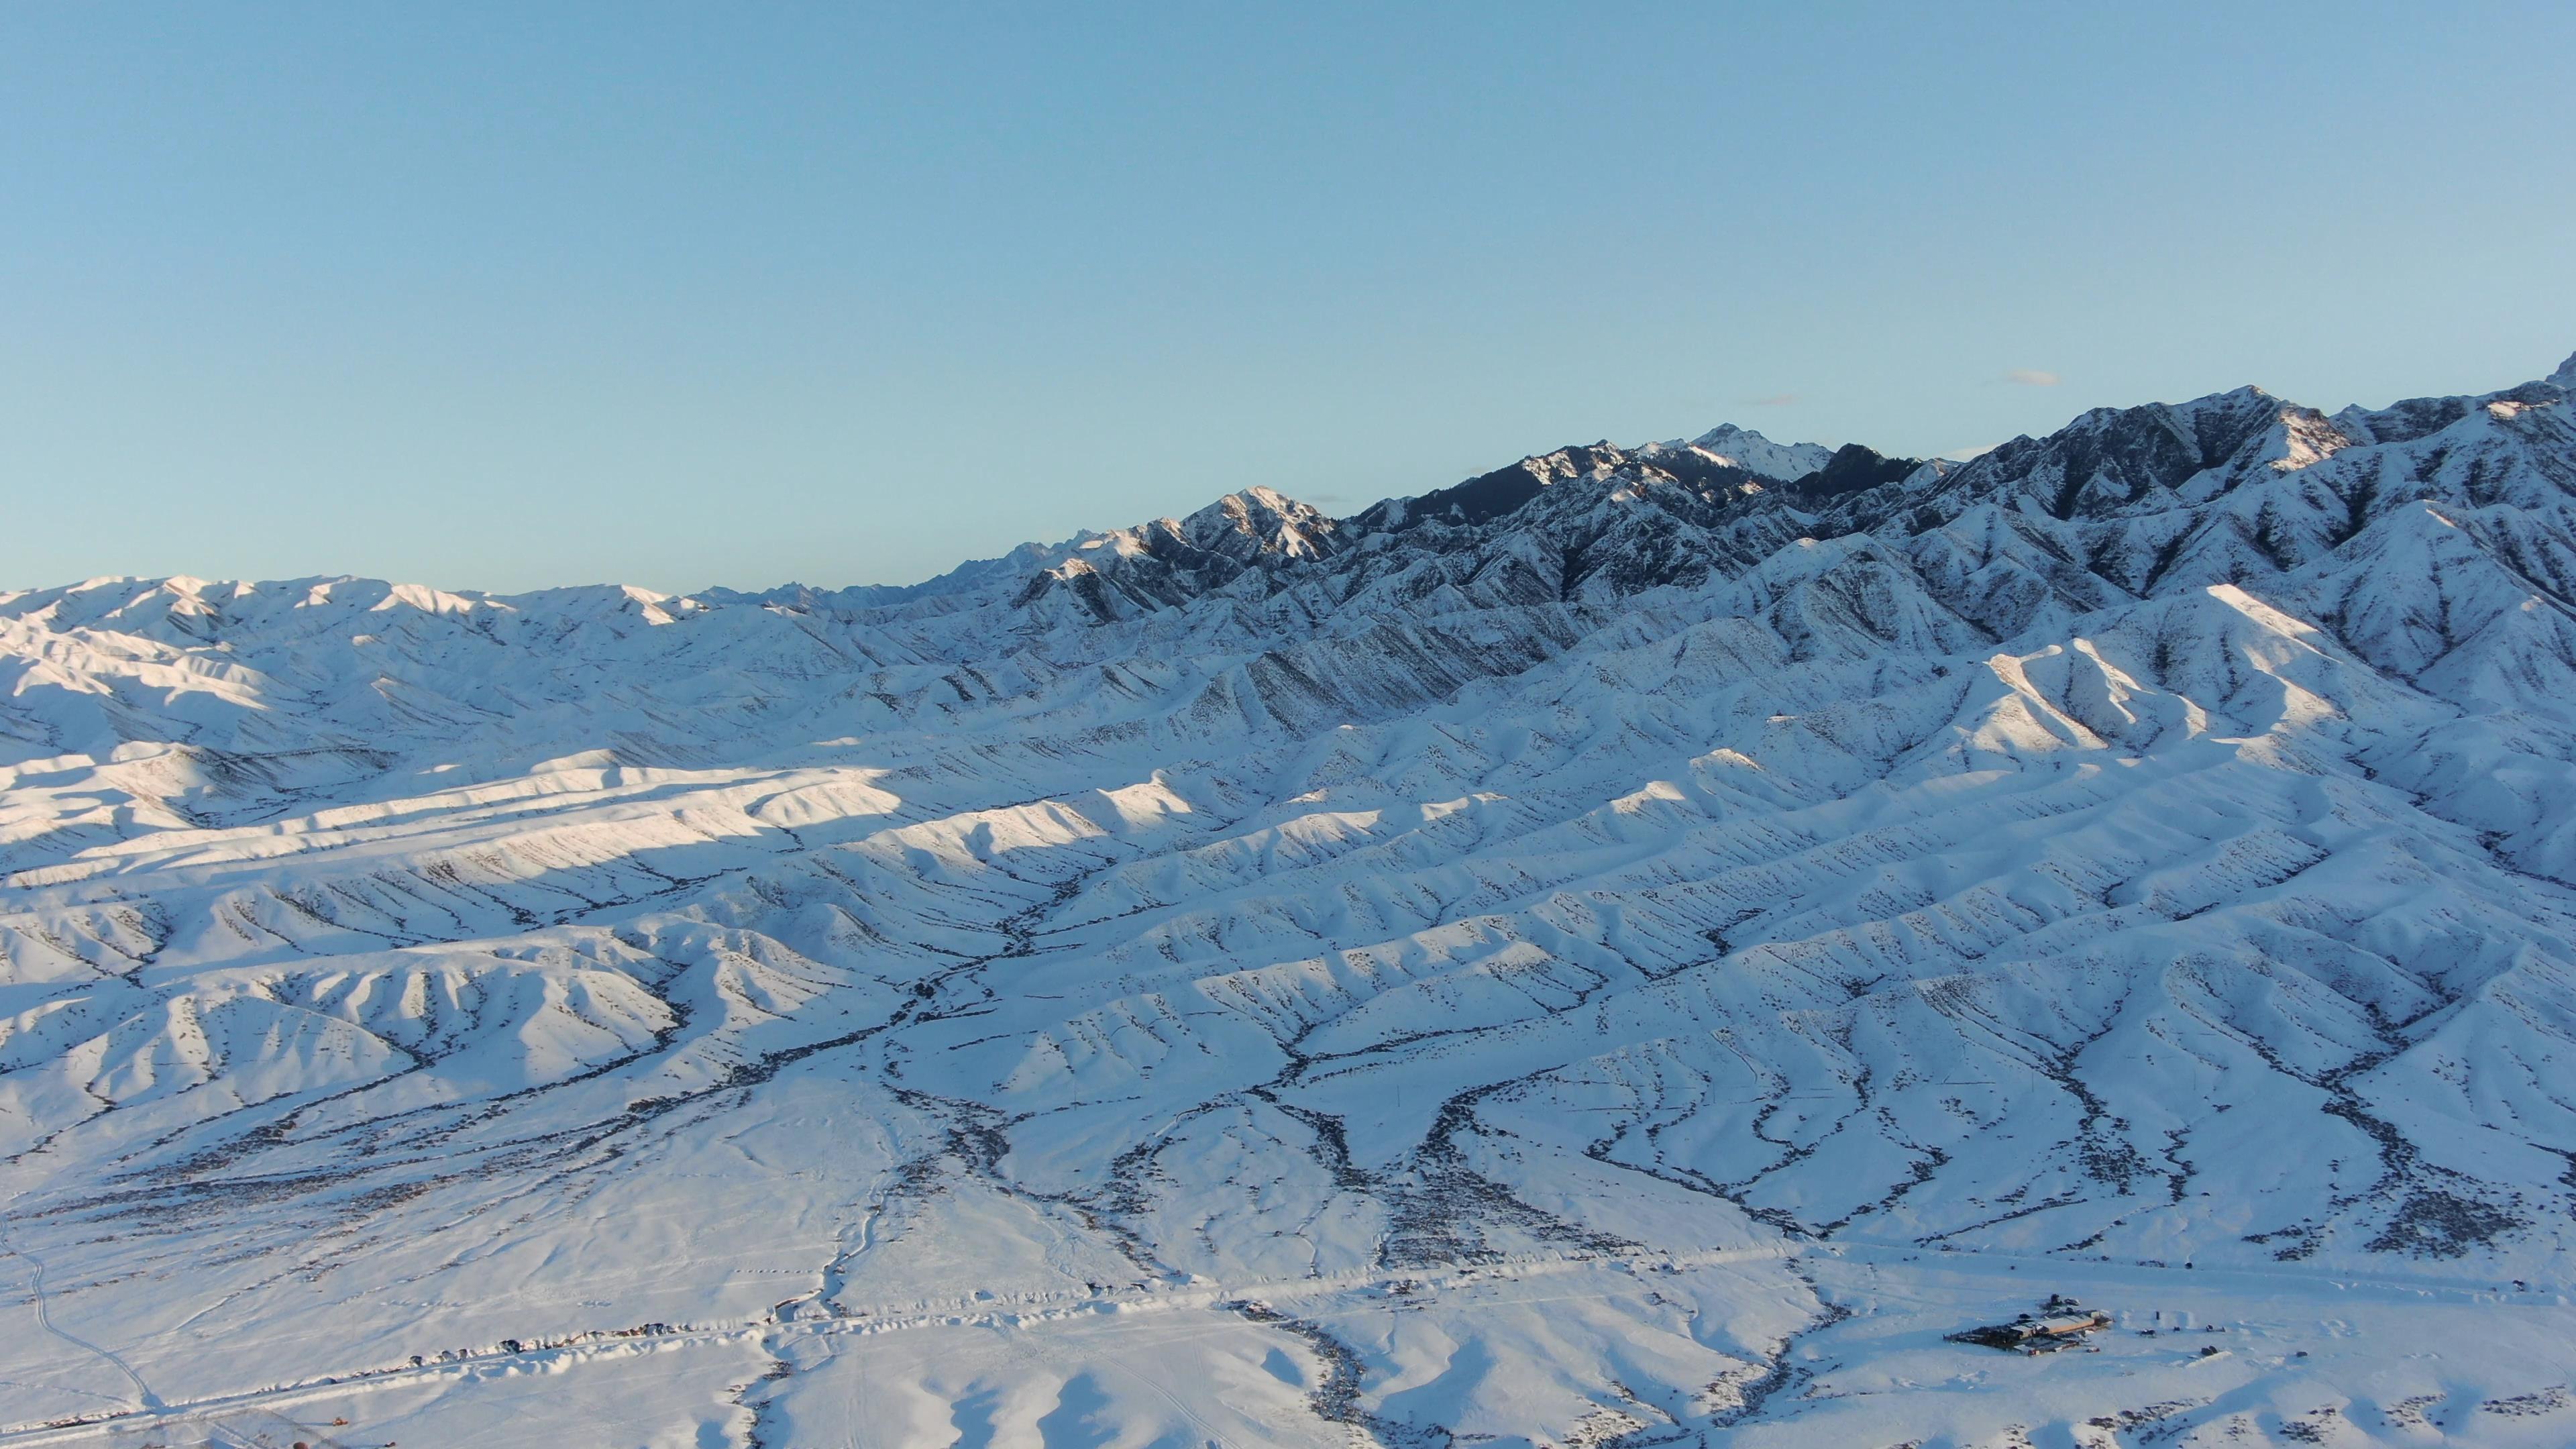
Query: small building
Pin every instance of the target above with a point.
(2064, 1326)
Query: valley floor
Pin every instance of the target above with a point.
(2195, 1358)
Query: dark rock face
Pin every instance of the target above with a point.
(1170, 562)
(1854, 469)
(1489, 496)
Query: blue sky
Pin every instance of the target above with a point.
(516, 295)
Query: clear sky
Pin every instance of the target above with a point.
(512, 295)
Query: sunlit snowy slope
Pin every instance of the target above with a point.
(1634, 947)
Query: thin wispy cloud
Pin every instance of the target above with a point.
(1775, 400)
(2031, 377)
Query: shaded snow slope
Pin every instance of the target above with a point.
(1632, 947)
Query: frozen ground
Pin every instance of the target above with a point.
(1631, 949)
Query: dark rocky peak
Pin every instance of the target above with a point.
(2420, 417)
(2109, 458)
(1504, 493)
(1699, 469)
(2403, 421)
(1173, 560)
(1489, 496)
(1720, 467)
(1259, 522)
(2221, 424)
(1853, 469)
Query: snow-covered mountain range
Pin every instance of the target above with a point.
(1634, 947)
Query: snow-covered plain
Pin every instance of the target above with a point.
(1634, 948)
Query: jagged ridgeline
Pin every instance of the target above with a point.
(1636, 945)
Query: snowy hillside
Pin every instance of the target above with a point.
(1634, 947)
